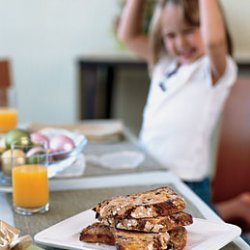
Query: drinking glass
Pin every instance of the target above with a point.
(8, 110)
(30, 181)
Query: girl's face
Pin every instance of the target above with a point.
(181, 40)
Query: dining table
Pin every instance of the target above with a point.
(71, 195)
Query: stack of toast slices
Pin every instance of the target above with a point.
(151, 220)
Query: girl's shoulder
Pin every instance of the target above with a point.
(229, 76)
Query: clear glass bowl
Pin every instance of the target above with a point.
(57, 161)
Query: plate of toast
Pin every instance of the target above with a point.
(151, 220)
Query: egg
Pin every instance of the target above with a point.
(11, 158)
(39, 138)
(2, 144)
(61, 145)
(17, 137)
(37, 155)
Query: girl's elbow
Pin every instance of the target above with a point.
(216, 45)
(122, 36)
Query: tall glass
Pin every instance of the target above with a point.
(8, 110)
(30, 182)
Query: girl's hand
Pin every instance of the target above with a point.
(130, 30)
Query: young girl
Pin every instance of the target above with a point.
(191, 76)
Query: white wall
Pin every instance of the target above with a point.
(237, 13)
(43, 38)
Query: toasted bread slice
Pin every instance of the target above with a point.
(178, 238)
(97, 233)
(158, 202)
(151, 225)
(129, 240)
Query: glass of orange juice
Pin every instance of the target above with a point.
(30, 182)
(8, 110)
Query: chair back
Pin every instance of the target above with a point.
(5, 81)
(232, 174)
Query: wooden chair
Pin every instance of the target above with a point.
(232, 175)
(5, 81)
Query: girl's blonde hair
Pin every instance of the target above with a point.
(191, 16)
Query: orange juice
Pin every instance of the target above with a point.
(30, 186)
(8, 119)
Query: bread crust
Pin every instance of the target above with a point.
(178, 238)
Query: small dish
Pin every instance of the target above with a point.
(118, 160)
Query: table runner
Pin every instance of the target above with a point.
(129, 143)
(65, 204)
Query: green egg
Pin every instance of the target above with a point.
(19, 138)
(38, 158)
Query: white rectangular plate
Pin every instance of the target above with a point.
(202, 234)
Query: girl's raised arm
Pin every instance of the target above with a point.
(214, 36)
(130, 29)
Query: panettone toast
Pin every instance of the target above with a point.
(99, 233)
(151, 225)
(158, 202)
(124, 240)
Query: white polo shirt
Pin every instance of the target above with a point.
(178, 122)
